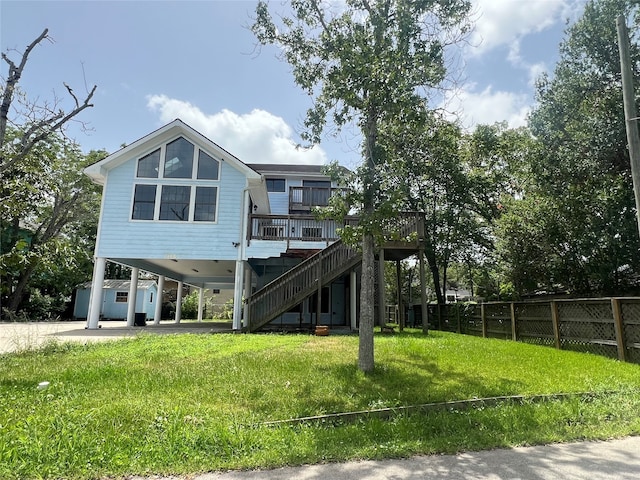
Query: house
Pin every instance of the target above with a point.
(115, 297)
(179, 206)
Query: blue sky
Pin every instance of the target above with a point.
(154, 61)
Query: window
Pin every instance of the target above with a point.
(174, 203)
(150, 297)
(194, 200)
(207, 167)
(275, 185)
(178, 161)
(122, 297)
(215, 291)
(144, 202)
(205, 207)
(149, 164)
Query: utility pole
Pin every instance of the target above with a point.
(630, 112)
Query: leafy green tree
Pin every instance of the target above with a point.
(573, 226)
(42, 194)
(49, 214)
(364, 62)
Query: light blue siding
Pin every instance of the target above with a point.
(146, 299)
(120, 237)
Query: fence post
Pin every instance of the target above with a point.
(619, 328)
(484, 321)
(514, 332)
(556, 323)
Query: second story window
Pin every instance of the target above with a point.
(275, 185)
(178, 159)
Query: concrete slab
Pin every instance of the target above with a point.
(23, 336)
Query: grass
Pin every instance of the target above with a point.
(193, 403)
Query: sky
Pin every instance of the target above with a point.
(155, 61)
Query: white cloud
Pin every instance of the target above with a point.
(505, 22)
(488, 107)
(255, 137)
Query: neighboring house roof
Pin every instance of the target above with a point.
(122, 284)
(271, 168)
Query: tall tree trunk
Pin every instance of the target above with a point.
(15, 298)
(367, 311)
(430, 254)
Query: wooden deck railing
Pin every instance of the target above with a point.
(296, 227)
(294, 286)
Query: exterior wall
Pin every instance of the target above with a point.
(121, 237)
(145, 303)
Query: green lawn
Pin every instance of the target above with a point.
(193, 403)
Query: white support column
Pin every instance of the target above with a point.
(132, 298)
(95, 299)
(200, 303)
(353, 299)
(179, 302)
(237, 295)
(247, 293)
(158, 312)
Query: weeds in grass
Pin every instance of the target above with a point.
(190, 403)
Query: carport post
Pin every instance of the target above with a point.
(132, 298)
(95, 299)
(159, 296)
(200, 303)
(179, 303)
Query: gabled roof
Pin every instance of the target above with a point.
(98, 170)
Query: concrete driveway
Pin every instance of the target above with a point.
(23, 336)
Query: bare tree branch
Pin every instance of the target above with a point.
(41, 128)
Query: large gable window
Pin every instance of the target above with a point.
(207, 167)
(144, 202)
(178, 159)
(149, 164)
(194, 199)
(174, 203)
(205, 206)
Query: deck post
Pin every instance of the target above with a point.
(133, 297)
(178, 316)
(353, 299)
(247, 293)
(382, 304)
(95, 299)
(158, 312)
(423, 293)
(401, 321)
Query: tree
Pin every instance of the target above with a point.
(573, 227)
(364, 61)
(49, 215)
(41, 194)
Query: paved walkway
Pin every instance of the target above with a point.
(22, 336)
(612, 460)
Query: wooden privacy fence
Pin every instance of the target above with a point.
(603, 326)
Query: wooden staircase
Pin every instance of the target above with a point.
(302, 281)
(306, 278)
